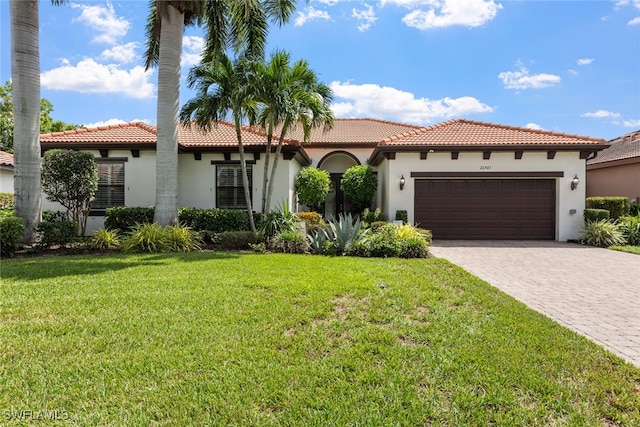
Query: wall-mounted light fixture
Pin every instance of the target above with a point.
(574, 182)
(402, 181)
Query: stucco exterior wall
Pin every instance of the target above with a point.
(568, 224)
(6, 180)
(621, 180)
(317, 154)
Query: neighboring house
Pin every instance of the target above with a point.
(462, 179)
(6, 172)
(615, 171)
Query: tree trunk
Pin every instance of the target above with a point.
(25, 73)
(276, 157)
(171, 28)
(245, 177)
(265, 177)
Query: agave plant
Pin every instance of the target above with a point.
(345, 232)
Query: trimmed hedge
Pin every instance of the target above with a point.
(56, 233)
(617, 206)
(7, 201)
(591, 215)
(211, 221)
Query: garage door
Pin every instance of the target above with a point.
(486, 208)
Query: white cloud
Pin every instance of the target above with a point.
(328, 2)
(104, 20)
(90, 77)
(602, 114)
(410, 4)
(521, 79)
(469, 13)
(534, 126)
(636, 3)
(366, 17)
(192, 47)
(309, 14)
(371, 100)
(634, 21)
(112, 122)
(631, 123)
(122, 54)
(572, 72)
(584, 61)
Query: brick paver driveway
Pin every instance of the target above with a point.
(594, 291)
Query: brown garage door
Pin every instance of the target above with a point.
(486, 208)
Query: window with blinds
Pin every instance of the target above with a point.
(110, 186)
(229, 189)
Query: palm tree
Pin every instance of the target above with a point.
(223, 87)
(25, 74)
(242, 24)
(290, 96)
(164, 47)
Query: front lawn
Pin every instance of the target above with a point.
(628, 248)
(249, 339)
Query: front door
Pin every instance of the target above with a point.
(335, 203)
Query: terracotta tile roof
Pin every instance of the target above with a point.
(6, 159)
(354, 132)
(128, 133)
(622, 148)
(462, 132)
(222, 135)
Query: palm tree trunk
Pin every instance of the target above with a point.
(25, 73)
(245, 177)
(276, 157)
(267, 160)
(172, 25)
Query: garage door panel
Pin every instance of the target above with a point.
(486, 209)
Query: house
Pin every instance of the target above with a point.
(6, 172)
(462, 179)
(616, 170)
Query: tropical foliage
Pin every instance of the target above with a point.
(70, 178)
(359, 185)
(312, 186)
(603, 233)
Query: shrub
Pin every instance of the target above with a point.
(216, 220)
(617, 206)
(630, 227)
(290, 242)
(236, 240)
(105, 239)
(312, 186)
(55, 233)
(414, 247)
(148, 237)
(7, 201)
(359, 185)
(126, 219)
(382, 243)
(54, 216)
(634, 209)
(603, 233)
(181, 239)
(311, 218)
(596, 214)
(277, 222)
(402, 215)
(375, 225)
(11, 229)
(70, 178)
(369, 217)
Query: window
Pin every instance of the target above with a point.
(229, 189)
(110, 186)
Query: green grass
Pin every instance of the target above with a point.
(629, 249)
(290, 340)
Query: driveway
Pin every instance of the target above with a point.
(594, 291)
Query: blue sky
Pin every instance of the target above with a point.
(565, 66)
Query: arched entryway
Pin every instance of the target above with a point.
(336, 163)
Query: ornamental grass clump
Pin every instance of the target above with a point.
(603, 233)
(630, 227)
(181, 238)
(105, 239)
